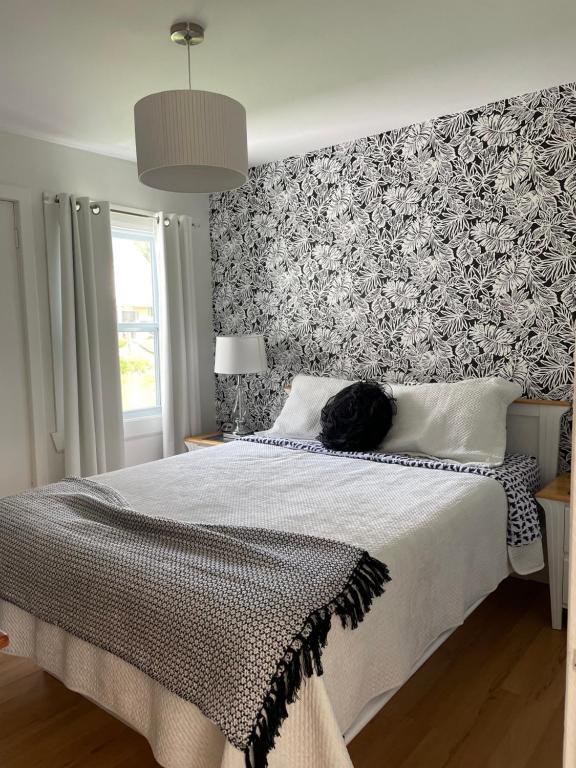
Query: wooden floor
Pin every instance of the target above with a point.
(490, 697)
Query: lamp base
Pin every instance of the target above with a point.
(241, 428)
(235, 435)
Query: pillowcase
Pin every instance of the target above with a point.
(300, 416)
(464, 421)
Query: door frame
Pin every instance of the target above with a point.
(570, 701)
(21, 198)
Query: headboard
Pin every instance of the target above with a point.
(534, 428)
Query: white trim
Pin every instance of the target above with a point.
(534, 429)
(22, 199)
(135, 427)
(51, 235)
(570, 706)
(140, 231)
(142, 427)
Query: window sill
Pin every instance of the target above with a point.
(142, 426)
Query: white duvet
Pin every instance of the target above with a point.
(442, 535)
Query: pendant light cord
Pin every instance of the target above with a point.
(189, 76)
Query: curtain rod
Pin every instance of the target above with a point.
(131, 213)
(154, 216)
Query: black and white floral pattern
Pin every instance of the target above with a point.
(430, 253)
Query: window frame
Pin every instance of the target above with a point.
(152, 326)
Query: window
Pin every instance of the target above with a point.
(136, 279)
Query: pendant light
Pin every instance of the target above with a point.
(190, 141)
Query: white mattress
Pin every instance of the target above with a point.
(442, 535)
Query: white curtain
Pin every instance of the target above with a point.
(84, 334)
(180, 390)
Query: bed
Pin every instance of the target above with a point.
(443, 538)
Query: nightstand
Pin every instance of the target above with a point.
(555, 500)
(207, 440)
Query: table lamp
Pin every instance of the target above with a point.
(237, 356)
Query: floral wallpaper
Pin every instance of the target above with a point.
(434, 252)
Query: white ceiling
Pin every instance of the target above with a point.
(309, 72)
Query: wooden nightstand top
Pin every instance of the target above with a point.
(208, 438)
(557, 490)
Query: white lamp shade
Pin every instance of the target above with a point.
(240, 354)
(191, 141)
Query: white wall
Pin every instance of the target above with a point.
(41, 167)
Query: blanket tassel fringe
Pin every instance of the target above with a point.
(303, 656)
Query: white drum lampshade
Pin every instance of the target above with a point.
(191, 141)
(237, 355)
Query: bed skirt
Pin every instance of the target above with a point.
(179, 734)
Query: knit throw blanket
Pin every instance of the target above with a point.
(229, 618)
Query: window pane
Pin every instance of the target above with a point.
(133, 277)
(138, 369)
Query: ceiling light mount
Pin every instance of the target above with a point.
(186, 33)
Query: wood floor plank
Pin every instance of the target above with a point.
(14, 668)
(455, 707)
(453, 686)
(490, 697)
(549, 749)
(539, 666)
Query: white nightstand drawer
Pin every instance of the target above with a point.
(567, 528)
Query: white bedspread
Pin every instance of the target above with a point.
(442, 535)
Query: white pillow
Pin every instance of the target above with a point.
(464, 421)
(300, 416)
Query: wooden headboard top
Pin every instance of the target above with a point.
(530, 401)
